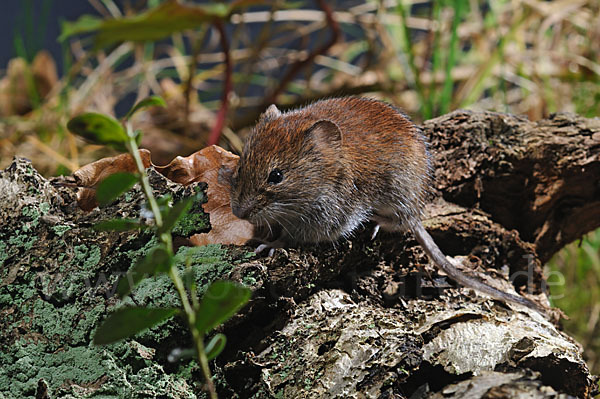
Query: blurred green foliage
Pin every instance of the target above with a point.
(574, 280)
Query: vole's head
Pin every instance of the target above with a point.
(290, 163)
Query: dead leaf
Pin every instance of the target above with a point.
(204, 166)
(14, 99)
(15, 87)
(89, 176)
(201, 166)
(44, 72)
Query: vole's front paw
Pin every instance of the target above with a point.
(270, 246)
(262, 247)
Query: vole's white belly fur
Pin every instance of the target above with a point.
(354, 221)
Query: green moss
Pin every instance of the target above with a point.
(3, 253)
(208, 263)
(138, 253)
(5, 300)
(64, 357)
(66, 324)
(52, 309)
(249, 279)
(27, 362)
(191, 223)
(60, 229)
(87, 257)
(34, 213)
(29, 170)
(104, 372)
(19, 240)
(195, 220)
(23, 237)
(44, 208)
(65, 284)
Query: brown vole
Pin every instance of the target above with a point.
(318, 173)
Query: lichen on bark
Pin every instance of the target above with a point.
(58, 279)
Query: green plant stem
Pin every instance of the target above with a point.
(402, 12)
(437, 59)
(196, 335)
(173, 273)
(451, 61)
(135, 152)
(472, 89)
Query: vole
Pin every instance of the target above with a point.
(317, 173)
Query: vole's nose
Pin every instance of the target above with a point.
(239, 211)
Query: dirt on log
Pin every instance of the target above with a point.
(358, 319)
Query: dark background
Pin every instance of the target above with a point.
(37, 24)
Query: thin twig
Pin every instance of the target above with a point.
(190, 79)
(215, 134)
(295, 68)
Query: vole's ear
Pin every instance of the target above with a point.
(325, 132)
(271, 113)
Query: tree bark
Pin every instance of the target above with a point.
(363, 318)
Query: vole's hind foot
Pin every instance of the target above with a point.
(386, 223)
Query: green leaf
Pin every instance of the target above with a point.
(221, 301)
(188, 277)
(169, 17)
(153, 101)
(158, 260)
(175, 213)
(162, 21)
(100, 129)
(127, 322)
(178, 354)
(137, 136)
(215, 346)
(118, 225)
(163, 202)
(113, 186)
(85, 24)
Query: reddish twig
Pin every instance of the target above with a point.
(189, 82)
(296, 67)
(215, 134)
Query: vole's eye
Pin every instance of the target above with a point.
(276, 176)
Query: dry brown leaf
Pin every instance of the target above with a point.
(204, 166)
(201, 166)
(14, 99)
(44, 72)
(14, 87)
(89, 176)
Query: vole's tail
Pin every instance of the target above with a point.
(434, 252)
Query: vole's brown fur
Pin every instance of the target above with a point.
(317, 173)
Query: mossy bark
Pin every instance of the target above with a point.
(362, 318)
